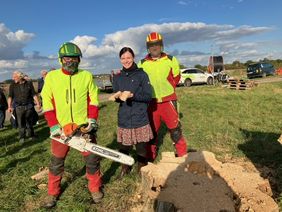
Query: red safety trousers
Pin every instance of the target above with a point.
(60, 151)
(167, 113)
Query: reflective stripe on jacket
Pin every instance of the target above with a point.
(69, 96)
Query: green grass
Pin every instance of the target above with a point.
(240, 124)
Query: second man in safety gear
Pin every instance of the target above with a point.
(164, 74)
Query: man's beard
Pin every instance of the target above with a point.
(71, 67)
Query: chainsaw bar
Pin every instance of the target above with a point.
(79, 143)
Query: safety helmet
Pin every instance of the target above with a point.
(69, 49)
(154, 38)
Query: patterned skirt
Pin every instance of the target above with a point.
(133, 136)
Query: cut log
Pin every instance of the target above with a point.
(43, 173)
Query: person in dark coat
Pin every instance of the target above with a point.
(41, 80)
(133, 93)
(3, 108)
(21, 99)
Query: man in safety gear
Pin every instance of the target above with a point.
(70, 98)
(164, 74)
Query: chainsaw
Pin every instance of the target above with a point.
(81, 142)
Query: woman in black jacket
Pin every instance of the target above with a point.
(133, 93)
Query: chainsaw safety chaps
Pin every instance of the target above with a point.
(92, 163)
(57, 165)
(176, 133)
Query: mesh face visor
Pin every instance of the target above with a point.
(157, 43)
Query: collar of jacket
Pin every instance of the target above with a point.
(129, 71)
(148, 56)
(67, 72)
(21, 81)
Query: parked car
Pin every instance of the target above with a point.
(191, 76)
(260, 70)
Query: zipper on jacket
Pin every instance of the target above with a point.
(71, 100)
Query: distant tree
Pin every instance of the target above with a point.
(264, 60)
(237, 65)
(201, 67)
(182, 66)
(8, 81)
(248, 62)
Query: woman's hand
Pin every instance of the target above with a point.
(115, 96)
(125, 95)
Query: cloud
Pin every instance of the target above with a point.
(242, 31)
(182, 3)
(173, 33)
(102, 56)
(12, 43)
(235, 46)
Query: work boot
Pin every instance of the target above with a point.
(49, 202)
(125, 169)
(97, 196)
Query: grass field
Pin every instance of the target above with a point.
(229, 123)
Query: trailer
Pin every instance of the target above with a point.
(104, 82)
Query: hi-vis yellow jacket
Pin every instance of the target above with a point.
(69, 97)
(164, 75)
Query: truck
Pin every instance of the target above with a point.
(216, 64)
(104, 82)
(217, 69)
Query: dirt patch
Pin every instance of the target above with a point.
(199, 182)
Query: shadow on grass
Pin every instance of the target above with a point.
(11, 142)
(75, 176)
(265, 152)
(14, 162)
(114, 165)
(102, 106)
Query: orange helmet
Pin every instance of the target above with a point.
(154, 38)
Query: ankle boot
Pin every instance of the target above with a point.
(125, 169)
(49, 202)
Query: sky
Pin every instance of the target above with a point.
(32, 31)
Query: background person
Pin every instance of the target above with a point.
(3, 108)
(21, 98)
(41, 80)
(133, 93)
(164, 75)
